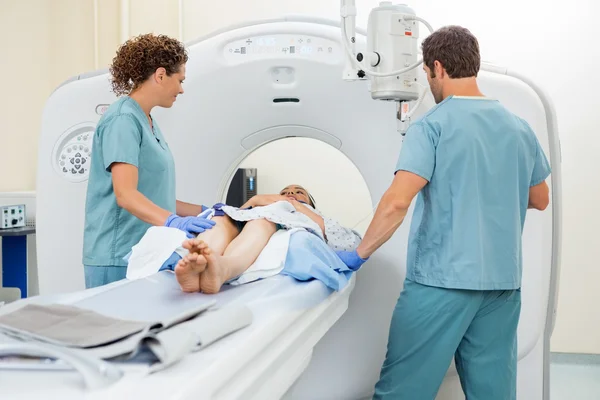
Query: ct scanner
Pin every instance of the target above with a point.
(236, 101)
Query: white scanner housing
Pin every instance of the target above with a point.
(262, 81)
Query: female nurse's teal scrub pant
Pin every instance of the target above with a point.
(431, 325)
(103, 275)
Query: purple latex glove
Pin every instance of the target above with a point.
(351, 259)
(192, 226)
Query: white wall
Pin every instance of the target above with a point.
(44, 43)
(552, 42)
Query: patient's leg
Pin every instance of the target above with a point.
(188, 270)
(238, 257)
(218, 237)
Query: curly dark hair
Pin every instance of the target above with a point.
(456, 49)
(139, 57)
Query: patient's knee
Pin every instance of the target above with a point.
(262, 224)
(224, 226)
(225, 222)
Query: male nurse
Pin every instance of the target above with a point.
(478, 168)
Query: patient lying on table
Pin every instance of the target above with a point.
(231, 247)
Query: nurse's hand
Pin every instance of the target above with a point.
(351, 259)
(192, 226)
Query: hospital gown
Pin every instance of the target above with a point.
(337, 236)
(283, 214)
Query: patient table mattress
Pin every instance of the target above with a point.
(260, 361)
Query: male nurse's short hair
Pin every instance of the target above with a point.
(456, 48)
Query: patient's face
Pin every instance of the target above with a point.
(296, 192)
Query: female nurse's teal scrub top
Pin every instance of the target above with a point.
(124, 135)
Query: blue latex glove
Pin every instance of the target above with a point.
(351, 259)
(190, 225)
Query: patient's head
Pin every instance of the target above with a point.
(299, 193)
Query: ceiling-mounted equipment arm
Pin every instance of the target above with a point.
(391, 57)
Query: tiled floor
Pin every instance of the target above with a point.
(575, 377)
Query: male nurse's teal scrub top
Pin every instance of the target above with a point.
(124, 135)
(466, 228)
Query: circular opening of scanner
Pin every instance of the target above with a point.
(337, 186)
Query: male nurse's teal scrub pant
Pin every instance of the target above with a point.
(430, 325)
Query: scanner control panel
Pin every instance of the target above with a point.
(12, 216)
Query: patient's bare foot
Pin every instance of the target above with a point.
(188, 270)
(215, 273)
(192, 245)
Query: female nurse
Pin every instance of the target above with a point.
(132, 174)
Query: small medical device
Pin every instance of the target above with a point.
(12, 216)
(390, 59)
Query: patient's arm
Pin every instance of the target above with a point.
(301, 208)
(264, 200)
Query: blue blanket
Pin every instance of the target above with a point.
(308, 258)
